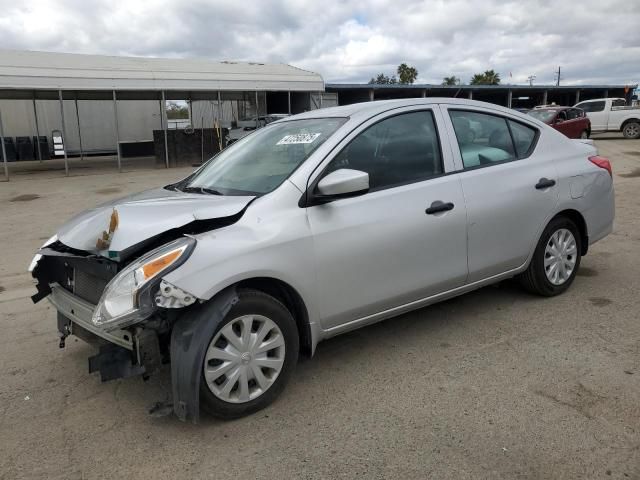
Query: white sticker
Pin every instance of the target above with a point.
(298, 138)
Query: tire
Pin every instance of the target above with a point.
(536, 278)
(631, 130)
(254, 307)
(584, 134)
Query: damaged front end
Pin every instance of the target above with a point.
(126, 311)
(104, 271)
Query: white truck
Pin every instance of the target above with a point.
(612, 115)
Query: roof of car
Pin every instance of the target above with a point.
(369, 109)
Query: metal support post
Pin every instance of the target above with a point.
(115, 117)
(35, 116)
(65, 145)
(163, 112)
(4, 150)
(79, 130)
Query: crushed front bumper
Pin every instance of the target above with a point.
(122, 353)
(80, 312)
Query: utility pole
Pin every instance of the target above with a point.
(531, 78)
(558, 77)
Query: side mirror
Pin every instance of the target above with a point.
(341, 184)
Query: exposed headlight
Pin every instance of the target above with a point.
(128, 299)
(37, 257)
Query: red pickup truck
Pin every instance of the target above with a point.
(571, 121)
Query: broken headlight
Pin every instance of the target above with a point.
(128, 298)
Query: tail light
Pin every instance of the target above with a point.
(602, 162)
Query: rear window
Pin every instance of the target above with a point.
(545, 116)
(592, 106)
(485, 139)
(523, 138)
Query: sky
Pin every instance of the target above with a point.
(594, 41)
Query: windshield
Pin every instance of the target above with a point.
(260, 162)
(543, 115)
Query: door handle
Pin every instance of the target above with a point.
(439, 206)
(545, 183)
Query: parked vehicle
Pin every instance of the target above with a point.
(568, 120)
(246, 126)
(316, 225)
(612, 115)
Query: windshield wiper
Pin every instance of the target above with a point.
(209, 191)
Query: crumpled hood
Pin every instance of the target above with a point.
(142, 216)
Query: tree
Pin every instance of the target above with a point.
(489, 77)
(407, 74)
(452, 80)
(177, 111)
(382, 79)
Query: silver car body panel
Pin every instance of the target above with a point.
(145, 215)
(358, 260)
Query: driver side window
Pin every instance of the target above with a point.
(396, 151)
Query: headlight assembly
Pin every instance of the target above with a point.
(128, 298)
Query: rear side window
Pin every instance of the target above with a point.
(523, 137)
(618, 103)
(592, 106)
(398, 150)
(483, 139)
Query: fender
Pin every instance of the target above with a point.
(189, 342)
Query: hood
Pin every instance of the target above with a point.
(142, 216)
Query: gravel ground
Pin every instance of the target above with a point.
(494, 384)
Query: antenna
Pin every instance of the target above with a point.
(558, 77)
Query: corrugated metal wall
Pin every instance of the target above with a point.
(136, 121)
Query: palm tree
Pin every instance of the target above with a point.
(452, 80)
(406, 74)
(489, 77)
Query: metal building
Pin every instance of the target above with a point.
(512, 96)
(98, 103)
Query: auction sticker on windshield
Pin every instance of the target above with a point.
(298, 138)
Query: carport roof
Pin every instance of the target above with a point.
(505, 87)
(27, 70)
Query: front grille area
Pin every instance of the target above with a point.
(88, 287)
(85, 277)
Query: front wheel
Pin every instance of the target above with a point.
(555, 260)
(631, 130)
(250, 357)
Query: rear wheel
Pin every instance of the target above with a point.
(631, 130)
(250, 357)
(555, 260)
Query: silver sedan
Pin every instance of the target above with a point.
(315, 225)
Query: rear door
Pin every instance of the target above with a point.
(509, 190)
(596, 113)
(382, 250)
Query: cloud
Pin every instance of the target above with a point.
(593, 41)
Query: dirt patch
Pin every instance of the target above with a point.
(27, 197)
(1, 289)
(578, 397)
(587, 272)
(635, 173)
(600, 301)
(634, 153)
(108, 190)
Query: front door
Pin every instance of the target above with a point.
(510, 190)
(382, 250)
